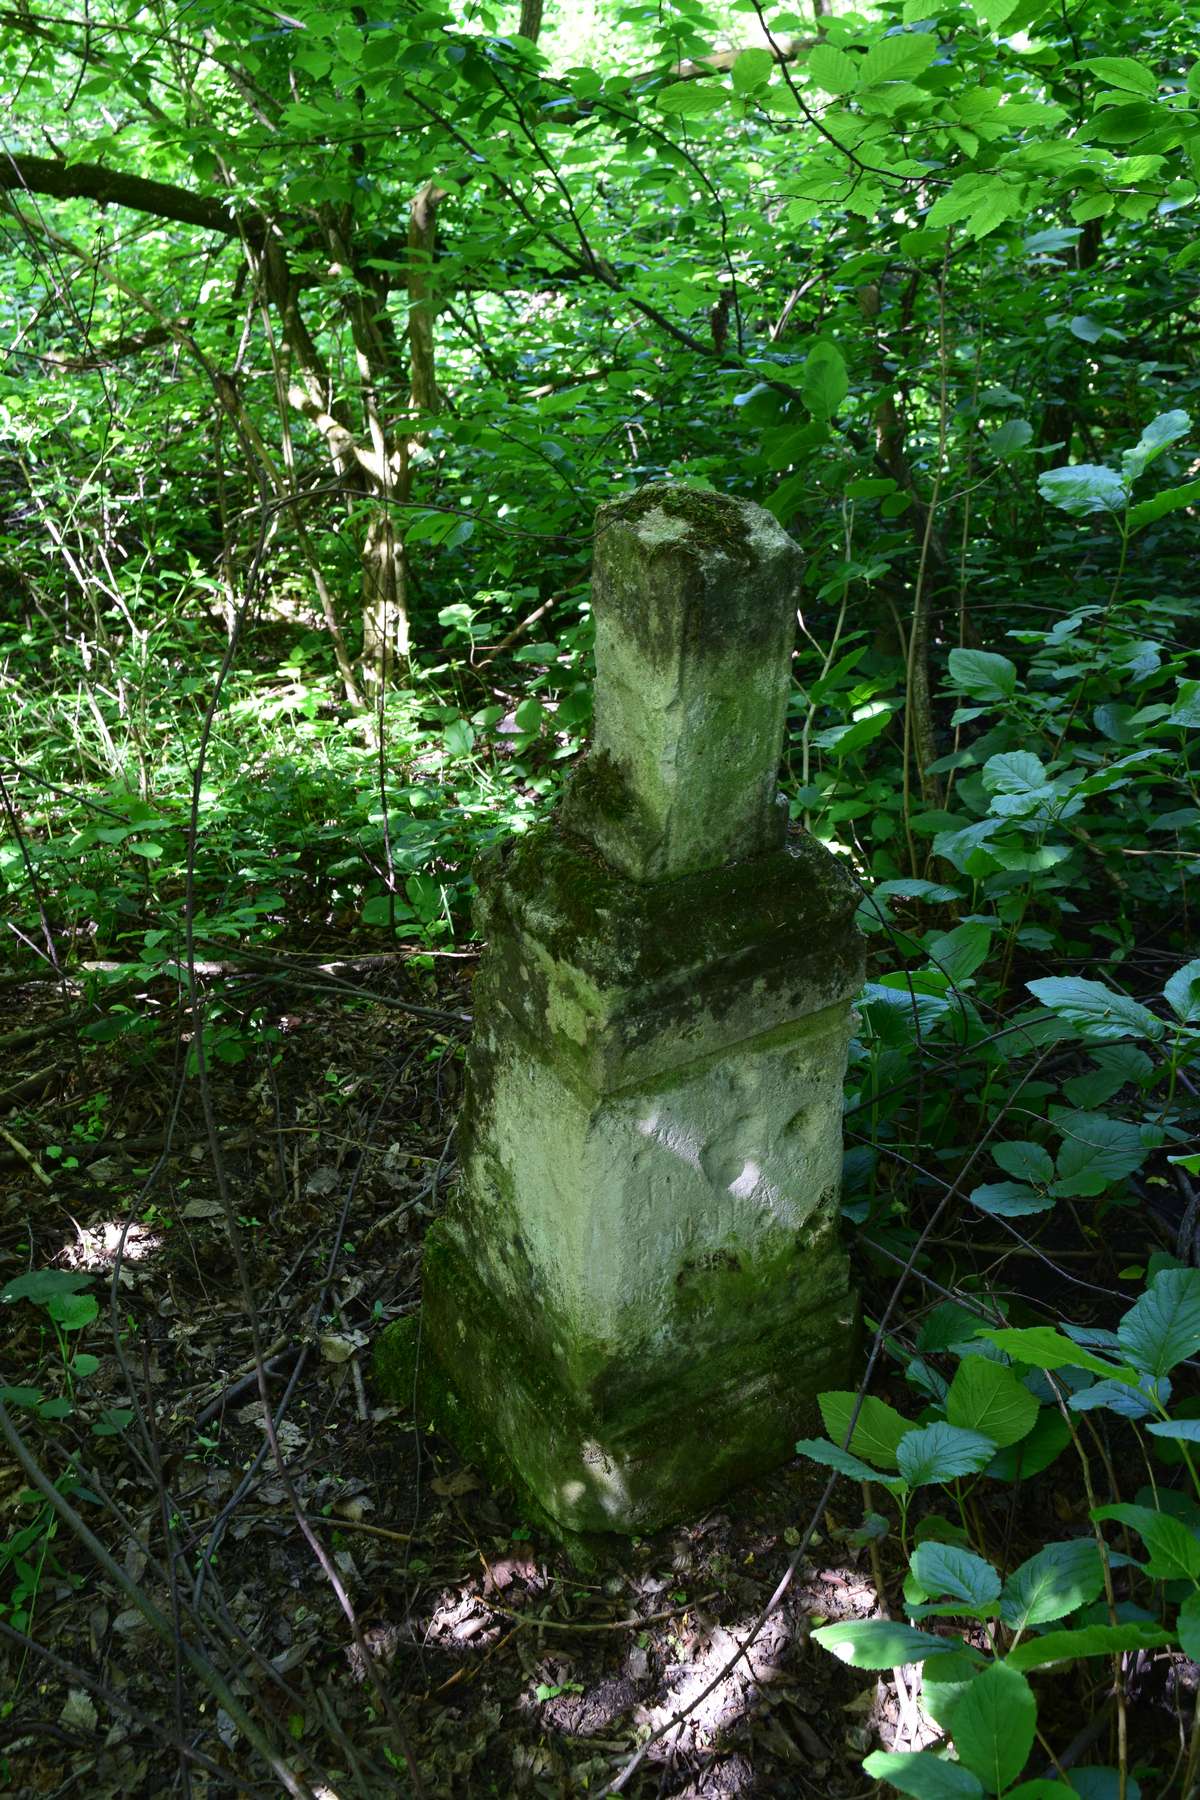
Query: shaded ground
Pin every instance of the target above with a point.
(503, 1668)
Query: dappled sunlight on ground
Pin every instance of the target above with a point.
(96, 1247)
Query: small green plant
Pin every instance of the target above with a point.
(1061, 1603)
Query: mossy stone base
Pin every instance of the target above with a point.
(644, 1442)
(638, 1289)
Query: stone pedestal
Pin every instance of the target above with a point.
(638, 1288)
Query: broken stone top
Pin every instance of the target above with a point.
(694, 596)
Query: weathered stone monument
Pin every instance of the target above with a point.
(638, 1287)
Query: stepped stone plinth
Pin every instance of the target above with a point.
(638, 1288)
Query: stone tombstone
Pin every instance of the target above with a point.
(638, 1287)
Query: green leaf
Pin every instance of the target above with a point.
(72, 1311)
(878, 1643)
(688, 99)
(1009, 438)
(947, 1569)
(1022, 1461)
(944, 1680)
(1056, 1581)
(1121, 72)
(1188, 1627)
(824, 382)
(1167, 501)
(1044, 1348)
(960, 952)
(1088, 1640)
(1185, 1430)
(1009, 1199)
(1014, 772)
(1186, 710)
(1101, 1015)
(1158, 436)
(1174, 1550)
(832, 1456)
(940, 1452)
(923, 1775)
(1083, 488)
(898, 57)
(41, 1285)
(877, 1430)
(752, 70)
(1096, 1151)
(459, 738)
(980, 201)
(1163, 1327)
(994, 1724)
(995, 12)
(1182, 993)
(986, 1396)
(20, 1396)
(1024, 1160)
(983, 674)
(1086, 330)
(832, 70)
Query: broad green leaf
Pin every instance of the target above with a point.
(1158, 436)
(1182, 993)
(459, 738)
(1163, 1327)
(752, 70)
(1188, 1627)
(879, 1643)
(960, 952)
(1086, 330)
(944, 1680)
(20, 1396)
(994, 12)
(1101, 1015)
(983, 674)
(1040, 1789)
(941, 1452)
(1115, 1396)
(1168, 500)
(1174, 1549)
(1083, 488)
(1014, 772)
(1096, 1151)
(1056, 1581)
(41, 1285)
(947, 1569)
(987, 1397)
(980, 201)
(994, 1724)
(1186, 710)
(1088, 1640)
(832, 69)
(1024, 1160)
(1009, 438)
(824, 382)
(832, 1456)
(72, 1311)
(877, 1430)
(1044, 1348)
(688, 99)
(1021, 1461)
(1009, 1199)
(923, 1775)
(1122, 72)
(1184, 1430)
(898, 57)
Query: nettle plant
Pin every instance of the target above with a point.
(1006, 1413)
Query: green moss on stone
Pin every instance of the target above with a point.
(716, 521)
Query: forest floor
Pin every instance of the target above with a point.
(500, 1666)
